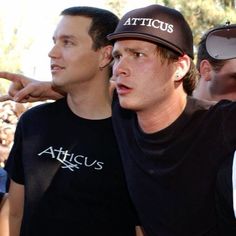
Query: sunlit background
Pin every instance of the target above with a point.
(30, 24)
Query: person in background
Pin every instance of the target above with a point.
(65, 166)
(217, 75)
(216, 63)
(172, 144)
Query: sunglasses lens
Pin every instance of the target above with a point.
(221, 44)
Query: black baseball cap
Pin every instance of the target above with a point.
(158, 24)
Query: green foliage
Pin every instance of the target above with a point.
(203, 15)
(116, 6)
(12, 46)
(4, 85)
(10, 59)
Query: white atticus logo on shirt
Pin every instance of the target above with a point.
(69, 160)
(149, 22)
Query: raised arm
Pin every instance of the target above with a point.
(25, 89)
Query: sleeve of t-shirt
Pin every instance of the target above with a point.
(14, 165)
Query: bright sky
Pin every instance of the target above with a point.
(37, 20)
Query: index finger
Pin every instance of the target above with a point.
(6, 97)
(10, 76)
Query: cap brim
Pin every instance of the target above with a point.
(146, 37)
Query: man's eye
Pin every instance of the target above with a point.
(67, 42)
(116, 56)
(138, 54)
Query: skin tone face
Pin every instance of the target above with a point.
(223, 83)
(143, 81)
(73, 61)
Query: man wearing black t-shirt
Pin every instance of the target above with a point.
(65, 167)
(171, 144)
(178, 142)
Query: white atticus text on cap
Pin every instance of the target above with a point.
(149, 22)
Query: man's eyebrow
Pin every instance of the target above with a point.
(64, 36)
(132, 50)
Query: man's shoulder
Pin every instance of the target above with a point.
(47, 108)
(199, 104)
(212, 106)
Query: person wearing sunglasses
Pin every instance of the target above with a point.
(216, 62)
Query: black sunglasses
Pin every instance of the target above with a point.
(221, 42)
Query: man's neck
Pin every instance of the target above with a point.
(162, 115)
(90, 102)
(201, 91)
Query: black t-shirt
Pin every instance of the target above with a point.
(72, 174)
(224, 198)
(171, 174)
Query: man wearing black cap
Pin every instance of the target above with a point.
(171, 144)
(170, 176)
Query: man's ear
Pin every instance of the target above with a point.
(182, 67)
(105, 56)
(205, 70)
